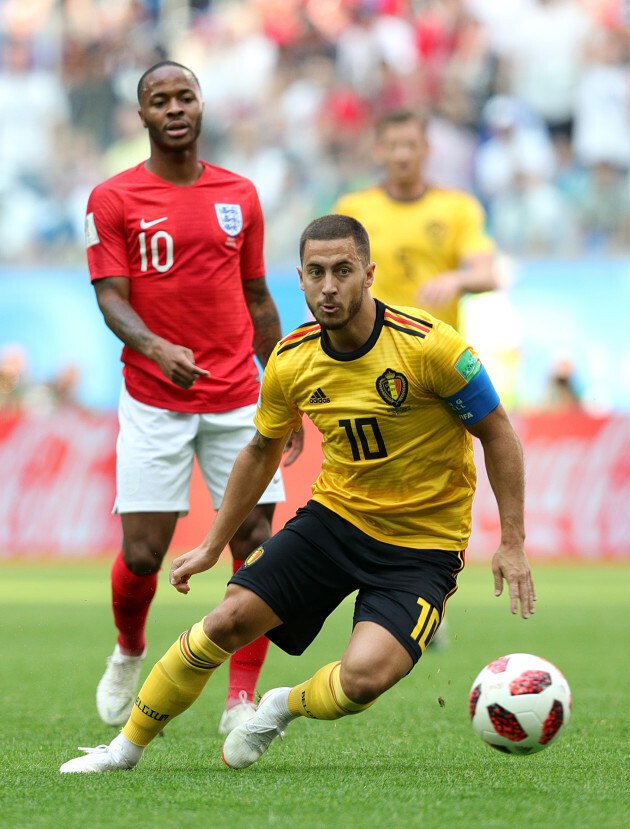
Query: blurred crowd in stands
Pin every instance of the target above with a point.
(19, 392)
(529, 103)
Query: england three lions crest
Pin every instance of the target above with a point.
(392, 387)
(230, 217)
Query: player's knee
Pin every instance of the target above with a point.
(228, 626)
(142, 558)
(361, 686)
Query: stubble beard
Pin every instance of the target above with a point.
(335, 324)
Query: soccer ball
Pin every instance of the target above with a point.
(519, 704)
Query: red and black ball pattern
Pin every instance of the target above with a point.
(530, 682)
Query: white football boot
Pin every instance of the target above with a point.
(237, 714)
(116, 692)
(249, 741)
(119, 755)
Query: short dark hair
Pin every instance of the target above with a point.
(158, 65)
(401, 116)
(337, 226)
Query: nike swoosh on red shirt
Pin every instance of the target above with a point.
(144, 224)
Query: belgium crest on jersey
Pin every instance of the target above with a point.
(392, 387)
(252, 557)
(436, 231)
(230, 217)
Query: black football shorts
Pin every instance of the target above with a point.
(309, 567)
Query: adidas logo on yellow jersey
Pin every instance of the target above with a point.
(319, 396)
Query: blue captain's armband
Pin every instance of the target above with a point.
(477, 399)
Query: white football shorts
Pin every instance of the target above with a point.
(156, 448)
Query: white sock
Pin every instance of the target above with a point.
(132, 752)
(282, 704)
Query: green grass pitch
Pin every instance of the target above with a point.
(412, 760)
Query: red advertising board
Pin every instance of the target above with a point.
(57, 484)
(58, 480)
(577, 489)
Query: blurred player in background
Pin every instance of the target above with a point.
(396, 394)
(430, 243)
(175, 251)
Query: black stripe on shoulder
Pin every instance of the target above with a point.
(388, 324)
(408, 316)
(289, 346)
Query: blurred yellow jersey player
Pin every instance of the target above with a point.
(430, 243)
(398, 461)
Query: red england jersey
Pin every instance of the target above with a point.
(186, 252)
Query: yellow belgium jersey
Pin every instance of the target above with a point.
(413, 241)
(398, 461)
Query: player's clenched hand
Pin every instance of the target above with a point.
(186, 565)
(177, 363)
(510, 563)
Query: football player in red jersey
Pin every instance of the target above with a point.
(175, 251)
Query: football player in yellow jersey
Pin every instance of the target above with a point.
(429, 242)
(397, 395)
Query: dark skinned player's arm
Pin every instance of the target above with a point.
(265, 318)
(267, 332)
(176, 361)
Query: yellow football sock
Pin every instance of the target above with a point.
(322, 697)
(174, 684)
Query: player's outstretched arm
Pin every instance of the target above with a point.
(503, 457)
(252, 471)
(176, 361)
